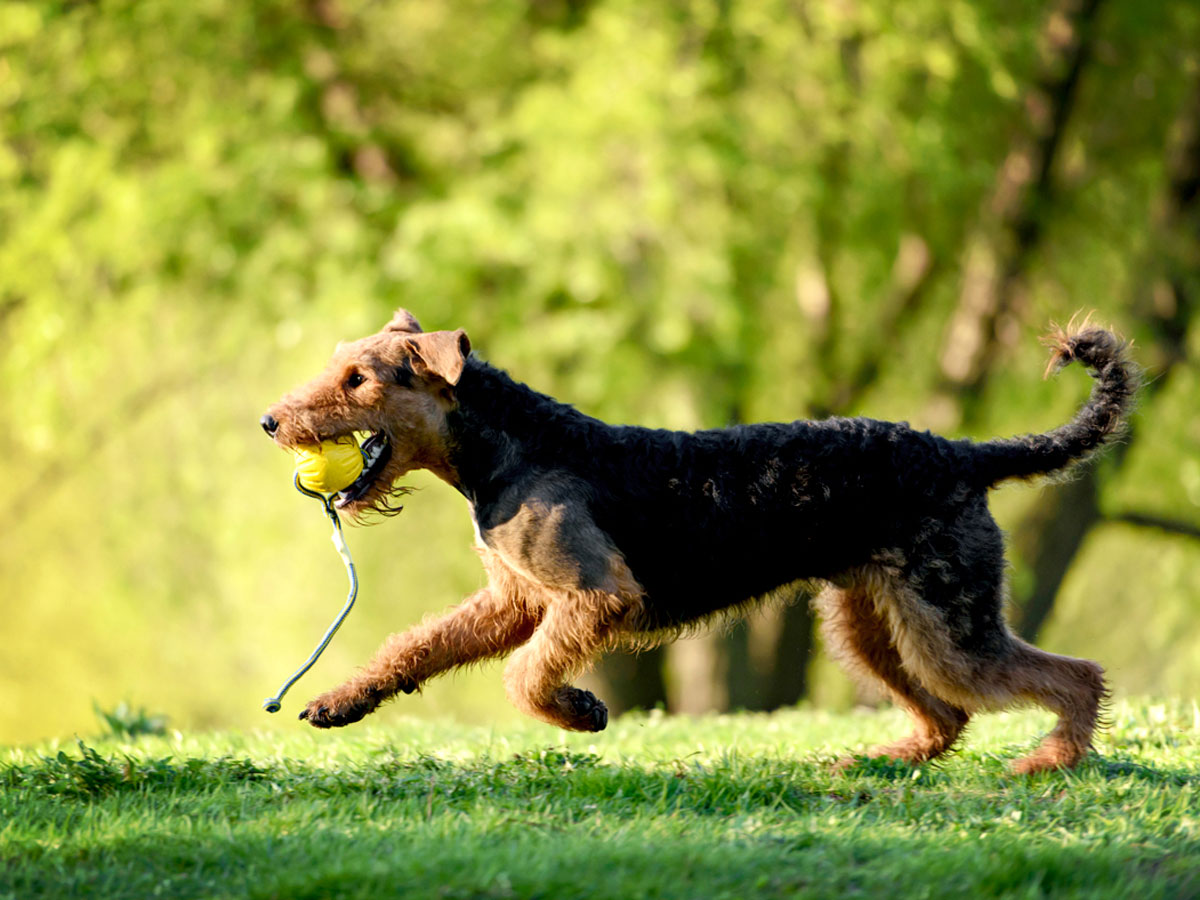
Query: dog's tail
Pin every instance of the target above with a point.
(1104, 414)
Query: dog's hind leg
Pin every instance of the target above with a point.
(1072, 688)
(486, 624)
(860, 638)
(945, 615)
(1008, 672)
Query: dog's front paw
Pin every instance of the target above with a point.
(586, 711)
(333, 710)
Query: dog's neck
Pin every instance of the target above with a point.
(499, 428)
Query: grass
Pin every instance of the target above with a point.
(724, 806)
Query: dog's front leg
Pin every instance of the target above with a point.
(485, 624)
(576, 626)
(540, 539)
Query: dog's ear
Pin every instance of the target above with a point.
(440, 353)
(403, 322)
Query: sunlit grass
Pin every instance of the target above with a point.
(721, 806)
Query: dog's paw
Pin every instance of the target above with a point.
(333, 710)
(585, 711)
(845, 763)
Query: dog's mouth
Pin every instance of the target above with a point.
(377, 452)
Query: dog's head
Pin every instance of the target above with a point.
(395, 386)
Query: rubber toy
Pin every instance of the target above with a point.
(330, 466)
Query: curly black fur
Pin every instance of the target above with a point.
(1117, 381)
(711, 519)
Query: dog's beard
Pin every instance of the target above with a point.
(385, 505)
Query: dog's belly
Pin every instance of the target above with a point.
(691, 572)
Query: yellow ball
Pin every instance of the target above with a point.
(330, 466)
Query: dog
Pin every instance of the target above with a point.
(596, 536)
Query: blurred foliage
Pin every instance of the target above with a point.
(124, 721)
(680, 214)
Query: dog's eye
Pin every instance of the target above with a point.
(354, 380)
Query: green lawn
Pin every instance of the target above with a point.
(725, 806)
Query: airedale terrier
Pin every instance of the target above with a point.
(596, 536)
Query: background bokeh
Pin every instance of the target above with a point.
(680, 214)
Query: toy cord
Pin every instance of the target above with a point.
(272, 704)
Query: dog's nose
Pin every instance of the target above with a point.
(269, 424)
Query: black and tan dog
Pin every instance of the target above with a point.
(596, 536)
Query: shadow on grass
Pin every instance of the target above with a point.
(731, 784)
(886, 769)
(1112, 769)
(570, 778)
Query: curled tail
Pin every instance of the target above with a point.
(1117, 379)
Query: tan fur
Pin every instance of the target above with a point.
(884, 634)
(555, 626)
(859, 637)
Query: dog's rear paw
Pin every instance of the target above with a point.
(586, 711)
(1051, 755)
(846, 763)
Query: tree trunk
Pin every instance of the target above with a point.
(787, 681)
(999, 255)
(628, 681)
